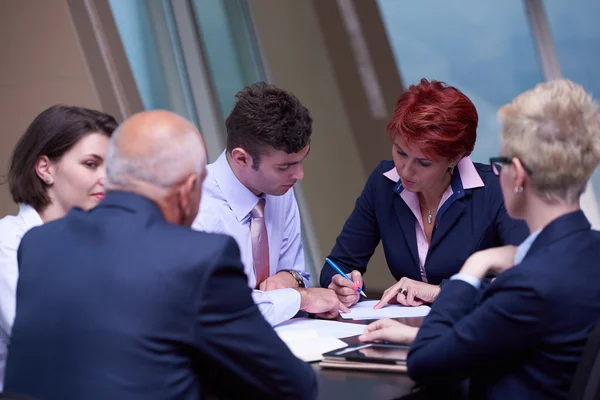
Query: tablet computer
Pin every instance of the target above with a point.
(372, 353)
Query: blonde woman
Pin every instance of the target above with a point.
(525, 336)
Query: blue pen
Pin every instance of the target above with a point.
(339, 271)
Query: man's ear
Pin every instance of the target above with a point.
(184, 193)
(44, 170)
(241, 157)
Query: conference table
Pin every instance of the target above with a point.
(367, 385)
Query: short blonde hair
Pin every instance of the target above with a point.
(554, 129)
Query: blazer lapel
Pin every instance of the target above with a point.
(446, 221)
(406, 219)
(450, 211)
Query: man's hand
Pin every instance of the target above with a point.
(321, 302)
(281, 280)
(347, 291)
(409, 293)
(495, 260)
(388, 330)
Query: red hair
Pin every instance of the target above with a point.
(436, 118)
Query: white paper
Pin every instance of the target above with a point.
(322, 327)
(364, 310)
(307, 345)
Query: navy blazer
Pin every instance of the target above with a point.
(525, 337)
(470, 220)
(117, 303)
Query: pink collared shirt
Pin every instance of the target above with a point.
(469, 178)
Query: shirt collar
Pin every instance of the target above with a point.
(30, 216)
(239, 197)
(469, 177)
(525, 246)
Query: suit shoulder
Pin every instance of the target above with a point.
(490, 181)
(47, 232)
(574, 255)
(378, 183)
(486, 174)
(377, 175)
(383, 166)
(178, 233)
(205, 245)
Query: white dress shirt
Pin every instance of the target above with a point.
(12, 229)
(225, 208)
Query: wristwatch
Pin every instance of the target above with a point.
(297, 276)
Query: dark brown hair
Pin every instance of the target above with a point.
(267, 116)
(52, 133)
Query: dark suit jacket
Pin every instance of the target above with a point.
(117, 303)
(525, 337)
(470, 220)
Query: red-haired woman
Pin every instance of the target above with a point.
(431, 207)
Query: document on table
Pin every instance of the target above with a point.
(322, 327)
(307, 345)
(309, 338)
(364, 310)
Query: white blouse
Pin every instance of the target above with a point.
(12, 229)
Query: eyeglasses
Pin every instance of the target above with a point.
(498, 162)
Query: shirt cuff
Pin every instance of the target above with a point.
(470, 279)
(306, 278)
(277, 306)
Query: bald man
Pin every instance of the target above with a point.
(126, 302)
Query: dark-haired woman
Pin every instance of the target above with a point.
(56, 165)
(431, 207)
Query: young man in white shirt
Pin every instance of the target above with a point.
(248, 194)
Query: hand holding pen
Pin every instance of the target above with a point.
(348, 288)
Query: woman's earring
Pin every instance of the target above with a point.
(47, 179)
(518, 189)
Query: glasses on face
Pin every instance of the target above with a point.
(498, 162)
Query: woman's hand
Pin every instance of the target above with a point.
(495, 260)
(388, 330)
(345, 290)
(409, 293)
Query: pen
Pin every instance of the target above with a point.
(339, 271)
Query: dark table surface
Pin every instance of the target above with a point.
(346, 384)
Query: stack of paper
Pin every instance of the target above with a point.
(364, 310)
(323, 327)
(308, 338)
(308, 346)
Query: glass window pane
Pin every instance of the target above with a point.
(576, 33)
(483, 48)
(232, 56)
(133, 22)
(150, 41)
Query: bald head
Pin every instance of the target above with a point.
(154, 147)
